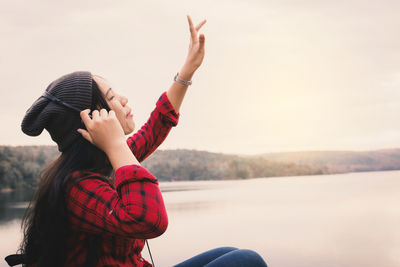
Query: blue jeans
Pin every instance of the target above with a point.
(225, 257)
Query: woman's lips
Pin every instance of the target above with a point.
(130, 113)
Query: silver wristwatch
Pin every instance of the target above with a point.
(179, 80)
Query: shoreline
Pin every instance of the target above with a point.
(9, 190)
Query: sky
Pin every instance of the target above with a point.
(283, 75)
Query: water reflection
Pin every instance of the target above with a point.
(13, 205)
(336, 220)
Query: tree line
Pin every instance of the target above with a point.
(20, 166)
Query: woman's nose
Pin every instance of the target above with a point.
(124, 100)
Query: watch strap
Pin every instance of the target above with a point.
(179, 80)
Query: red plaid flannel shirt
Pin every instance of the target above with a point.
(119, 215)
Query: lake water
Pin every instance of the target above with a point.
(328, 220)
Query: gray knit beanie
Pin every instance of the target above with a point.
(61, 122)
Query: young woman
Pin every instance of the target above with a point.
(95, 204)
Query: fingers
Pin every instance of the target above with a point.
(103, 113)
(112, 114)
(85, 116)
(87, 121)
(100, 118)
(192, 30)
(85, 134)
(202, 39)
(200, 25)
(95, 114)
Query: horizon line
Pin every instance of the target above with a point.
(242, 154)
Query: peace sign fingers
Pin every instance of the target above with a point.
(194, 30)
(196, 46)
(200, 24)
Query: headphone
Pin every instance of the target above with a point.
(62, 103)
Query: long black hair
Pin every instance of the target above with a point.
(45, 223)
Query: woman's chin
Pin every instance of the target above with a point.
(129, 129)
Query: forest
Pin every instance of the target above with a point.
(20, 166)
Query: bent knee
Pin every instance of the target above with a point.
(227, 249)
(252, 257)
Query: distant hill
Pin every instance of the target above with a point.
(20, 166)
(184, 164)
(342, 161)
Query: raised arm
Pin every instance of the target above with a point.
(155, 130)
(193, 61)
(166, 114)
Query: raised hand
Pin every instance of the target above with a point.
(196, 47)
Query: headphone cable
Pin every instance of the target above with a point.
(148, 247)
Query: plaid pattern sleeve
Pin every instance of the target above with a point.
(134, 209)
(155, 130)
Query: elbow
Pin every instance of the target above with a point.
(151, 227)
(158, 227)
(163, 225)
(157, 221)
